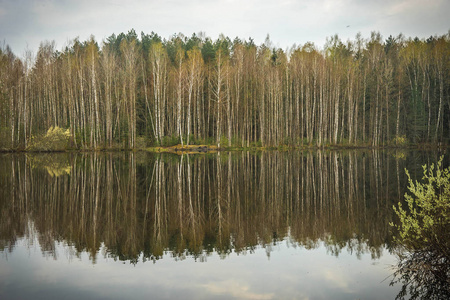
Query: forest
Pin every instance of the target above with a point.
(133, 92)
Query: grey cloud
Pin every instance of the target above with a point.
(287, 21)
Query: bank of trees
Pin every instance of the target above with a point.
(133, 91)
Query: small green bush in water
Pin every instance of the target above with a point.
(428, 209)
(56, 139)
(423, 241)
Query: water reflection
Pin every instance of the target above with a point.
(196, 205)
(424, 274)
(137, 207)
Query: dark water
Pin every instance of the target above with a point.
(271, 225)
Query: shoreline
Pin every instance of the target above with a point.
(199, 149)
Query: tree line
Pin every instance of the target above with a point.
(133, 92)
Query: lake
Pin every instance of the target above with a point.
(244, 225)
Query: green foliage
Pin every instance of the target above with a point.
(287, 141)
(202, 141)
(400, 140)
(428, 214)
(168, 141)
(424, 237)
(223, 141)
(256, 144)
(55, 139)
(142, 142)
(236, 141)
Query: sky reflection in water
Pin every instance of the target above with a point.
(280, 271)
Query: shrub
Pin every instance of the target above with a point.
(236, 141)
(400, 140)
(423, 237)
(141, 142)
(428, 209)
(168, 141)
(256, 144)
(55, 139)
(223, 141)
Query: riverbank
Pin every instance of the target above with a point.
(198, 149)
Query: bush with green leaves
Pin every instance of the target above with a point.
(400, 140)
(55, 139)
(423, 239)
(428, 212)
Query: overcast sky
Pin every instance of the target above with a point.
(26, 23)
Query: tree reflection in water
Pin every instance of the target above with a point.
(140, 205)
(424, 274)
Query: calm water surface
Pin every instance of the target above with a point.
(271, 225)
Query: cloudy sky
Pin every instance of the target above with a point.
(25, 23)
